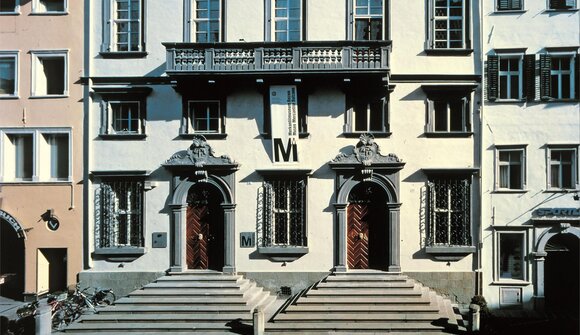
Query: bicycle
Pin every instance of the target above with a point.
(61, 312)
(81, 299)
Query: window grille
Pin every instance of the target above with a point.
(119, 214)
(449, 217)
(283, 213)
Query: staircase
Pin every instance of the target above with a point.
(200, 301)
(366, 302)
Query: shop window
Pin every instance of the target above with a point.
(8, 74)
(562, 167)
(510, 168)
(119, 213)
(49, 73)
(511, 252)
(49, 6)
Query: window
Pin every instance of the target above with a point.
(511, 76)
(510, 168)
(448, 25)
(449, 114)
(284, 20)
(507, 5)
(511, 252)
(284, 212)
(366, 112)
(561, 4)
(562, 167)
(124, 27)
(36, 155)
(207, 18)
(9, 6)
(49, 71)
(8, 74)
(123, 111)
(557, 76)
(368, 20)
(49, 6)
(205, 117)
(449, 211)
(119, 213)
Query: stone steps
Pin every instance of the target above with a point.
(203, 302)
(365, 302)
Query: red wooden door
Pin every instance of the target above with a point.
(197, 236)
(358, 236)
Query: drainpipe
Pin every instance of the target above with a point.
(480, 153)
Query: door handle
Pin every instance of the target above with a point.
(200, 237)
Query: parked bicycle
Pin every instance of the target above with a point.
(99, 298)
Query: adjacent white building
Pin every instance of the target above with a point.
(531, 135)
(284, 140)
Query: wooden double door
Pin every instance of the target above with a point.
(367, 234)
(205, 229)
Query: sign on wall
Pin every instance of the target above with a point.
(247, 240)
(284, 123)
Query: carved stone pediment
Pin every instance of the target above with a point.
(367, 153)
(199, 155)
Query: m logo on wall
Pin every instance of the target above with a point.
(284, 121)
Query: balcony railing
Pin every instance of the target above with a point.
(344, 56)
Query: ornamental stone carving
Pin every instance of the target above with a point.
(367, 153)
(199, 154)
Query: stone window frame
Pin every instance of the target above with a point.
(449, 93)
(115, 94)
(16, 56)
(190, 126)
(352, 93)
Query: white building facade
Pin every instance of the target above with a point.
(283, 140)
(531, 133)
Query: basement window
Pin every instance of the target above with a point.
(49, 73)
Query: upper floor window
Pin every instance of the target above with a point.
(124, 25)
(449, 211)
(9, 6)
(448, 109)
(49, 73)
(510, 168)
(561, 4)
(284, 20)
(123, 112)
(507, 5)
(205, 117)
(367, 112)
(557, 76)
(36, 155)
(119, 213)
(49, 6)
(8, 74)
(562, 167)
(506, 76)
(368, 20)
(207, 20)
(448, 24)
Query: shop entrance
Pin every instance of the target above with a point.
(11, 261)
(561, 274)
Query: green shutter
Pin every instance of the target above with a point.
(492, 77)
(577, 77)
(530, 77)
(545, 87)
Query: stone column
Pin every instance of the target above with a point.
(229, 238)
(539, 298)
(178, 212)
(394, 238)
(341, 243)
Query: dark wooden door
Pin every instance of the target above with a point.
(358, 236)
(198, 234)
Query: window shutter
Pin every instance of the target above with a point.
(492, 77)
(524, 170)
(430, 126)
(517, 4)
(545, 64)
(549, 169)
(577, 77)
(107, 28)
(431, 25)
(503, 4)
(104, 129)
(466, 114)
(570, 3)
(530, 77)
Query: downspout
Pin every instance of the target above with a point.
(86, 105)
(479, 288)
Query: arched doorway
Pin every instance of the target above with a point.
(561, 274)
(367, 228)
(11, 257)
(205, 228)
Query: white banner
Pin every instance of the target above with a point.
(284, 123)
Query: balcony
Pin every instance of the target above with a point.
(348, 57)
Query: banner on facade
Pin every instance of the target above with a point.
(284, 123)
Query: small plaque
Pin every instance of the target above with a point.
(247, 240)
(159, 240)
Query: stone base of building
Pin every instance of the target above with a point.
(459, 287)
(121, 282)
